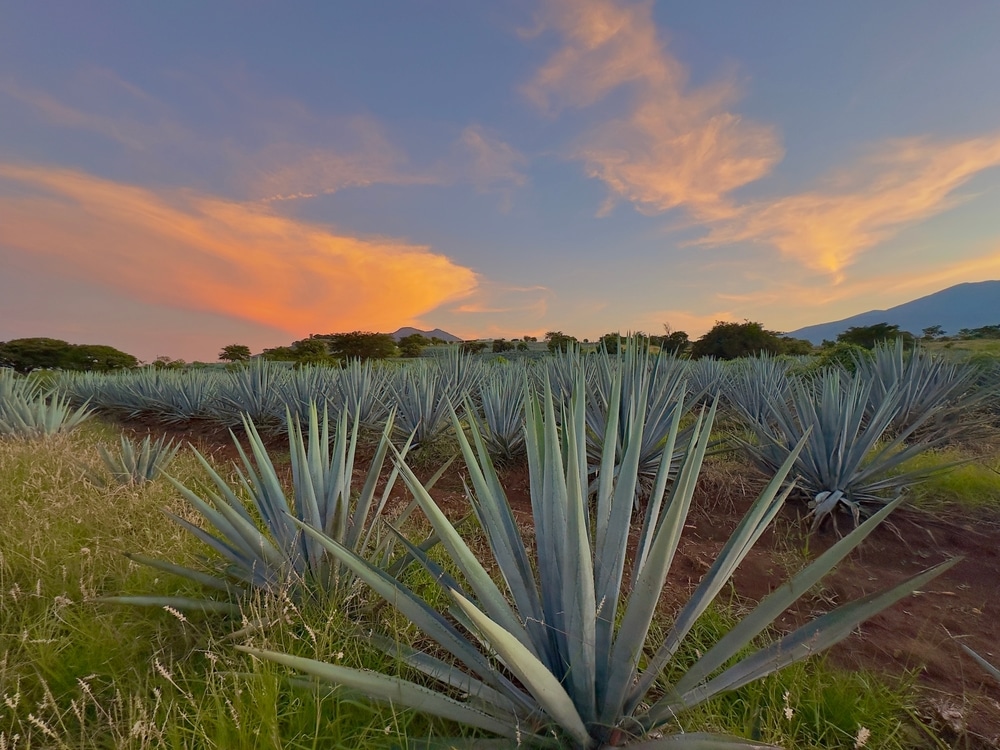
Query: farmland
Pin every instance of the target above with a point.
(593, 477)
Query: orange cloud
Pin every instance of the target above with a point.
(676, 146)
(826, 229)
(197, 252)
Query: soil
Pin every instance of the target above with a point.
(918, 637)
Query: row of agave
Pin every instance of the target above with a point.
(862, 423)
(545, 649)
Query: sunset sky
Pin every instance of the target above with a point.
(179, 176)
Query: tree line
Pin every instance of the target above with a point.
(725, 340)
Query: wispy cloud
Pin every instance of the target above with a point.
(198, 252)
(490, 161)
(676, 145)
(900, 183)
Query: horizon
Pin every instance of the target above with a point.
(173, 181)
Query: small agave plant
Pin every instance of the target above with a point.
(39, 415)
(260, 542)
(843, 458)
(556, 651)
(138, 463)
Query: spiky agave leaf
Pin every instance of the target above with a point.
(259, 539)
(40, 415)
(552, 621)
(138, 463)
(845, 461)
(939, 396)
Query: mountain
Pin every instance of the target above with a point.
(443, 335)
(971, 305)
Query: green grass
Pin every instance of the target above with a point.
(974, 484)
(79, 673)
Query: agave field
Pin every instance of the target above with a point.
(582, 551)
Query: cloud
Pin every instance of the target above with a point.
(196, 252)
(900, 183)
(364, 156)
(676, 146)
(490, 161)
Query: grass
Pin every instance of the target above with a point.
(79, 673)
(973, 484)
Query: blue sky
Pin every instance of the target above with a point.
(177, 177)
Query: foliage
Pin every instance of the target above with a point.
(983, 332)
(310, 351)
(569, 670)
(931, 332)
(280, 558)
(557, 341)
(755, 384)
(842, 459)
(136, 464)
(501, 345)
(235, 353)
(942, 396)
(472, 347)
(843, 355)
(869, 336)
(727, 340)
(25, 355)
(412, 345)
(673, 342)
(501, 423)
(361, 345)
(39, 415)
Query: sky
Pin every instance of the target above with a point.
(176, 177)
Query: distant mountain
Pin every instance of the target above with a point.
(970, 305)
(437, 332)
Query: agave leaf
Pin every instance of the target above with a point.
(700, 741)
(390, 689)
(416, 609)
(777, 602)
(479, 579)
(809, 639)
(205, 579)
(991, 670)
(536, 677)
(754, 523)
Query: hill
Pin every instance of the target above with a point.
(970, 305)
(437, 332)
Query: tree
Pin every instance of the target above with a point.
(25, 355)
(932, 332)
(362, 345)
(412, 345)
(734, 340)
(869, 336)
(100, 358)
(557, 341)
(235, 353)
(472, 347)
(502, 345)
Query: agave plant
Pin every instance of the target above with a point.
(501, 424)
(253, 390)
(39, 415)
(557, 653)
(279, 557)
(846, 460)
(422, 397)
(755, 384)
(941, 395)
(138, 463)
(14, 386)
(654, 384)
